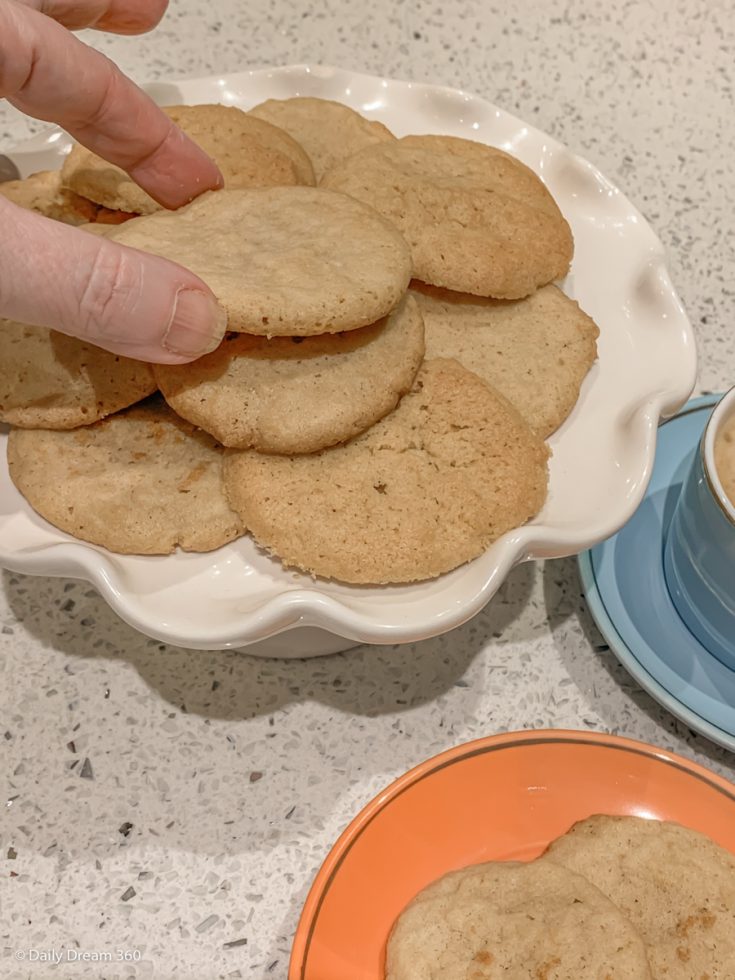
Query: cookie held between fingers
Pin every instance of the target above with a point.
(141, 482)
(477, 220)
(427, 488)
(51, 381)
(284, 261)
(535, 351)
(299, 395)
(675, 883)
(514, 921)
(248, 151)
(232, 138)
(327, 130)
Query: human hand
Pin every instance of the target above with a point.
(85, 285)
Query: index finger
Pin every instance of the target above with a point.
(117, 16)
(48, 73)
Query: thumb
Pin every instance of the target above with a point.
(87, 286)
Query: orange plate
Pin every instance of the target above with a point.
(504, 797)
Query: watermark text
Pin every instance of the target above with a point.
(73, 955)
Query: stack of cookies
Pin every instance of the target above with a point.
(248, 151)
(615, 897)
(396, 353)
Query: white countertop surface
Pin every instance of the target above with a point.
(174, 802)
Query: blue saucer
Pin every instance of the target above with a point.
(623, 582)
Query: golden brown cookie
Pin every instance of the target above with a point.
(249, 152)
(43, 193)
(298, 395)
(513, 921)
(535, 351)
(328, 131)
(141, 482)
(477, 220)
(677, 885)
(284, 261)
(51, 381)
(426, 489)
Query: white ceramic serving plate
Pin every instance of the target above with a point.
(602, 456)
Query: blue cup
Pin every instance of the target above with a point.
(699, 554)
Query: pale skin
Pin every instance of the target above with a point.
(58, 276)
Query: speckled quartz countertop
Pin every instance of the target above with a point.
(179, 803)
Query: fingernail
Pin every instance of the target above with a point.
(197, 326)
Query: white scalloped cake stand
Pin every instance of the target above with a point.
(602, 455)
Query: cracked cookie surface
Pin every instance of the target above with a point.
(426, 489)
(141, 482)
